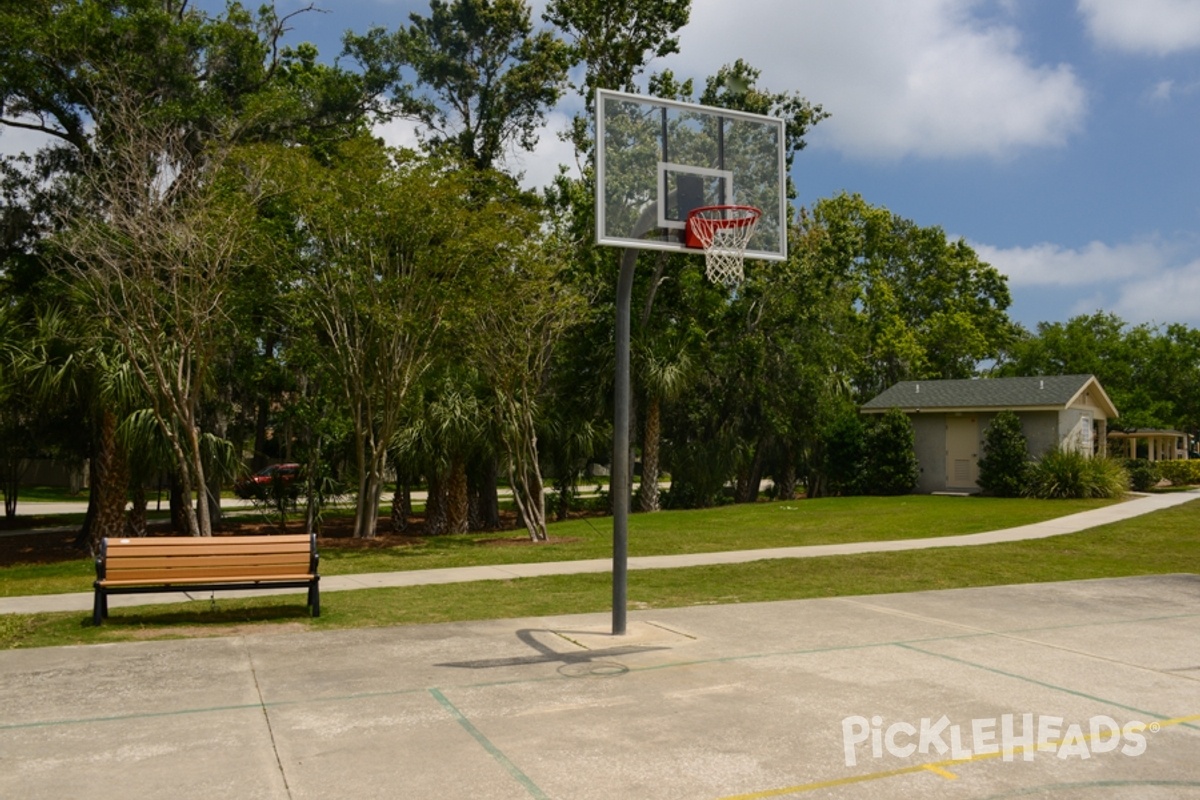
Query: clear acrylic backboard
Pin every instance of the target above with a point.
(658, 159)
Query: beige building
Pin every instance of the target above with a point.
(949, 419)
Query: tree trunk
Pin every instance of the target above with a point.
(212, 496)
(435, 506)
(137, 510)
(489, 494)
(528, 491)
(526, 476)
(199, 520)
(749, 480)
(785, 483)
(401, 504)
(457, 497)
(482, 479)
(110, 476)
(648, 499)
(366, 515)
(177, 502)
(565, 487)
(259, 459)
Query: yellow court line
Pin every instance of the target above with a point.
(936, 767)
(945, 773)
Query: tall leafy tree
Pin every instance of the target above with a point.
(104, 77)
(395, 247)
(516, 344)
(1150, 373)
(614, 40)
(483, 80)
(154, 262)
(925, 307)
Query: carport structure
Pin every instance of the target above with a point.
(1161, 445)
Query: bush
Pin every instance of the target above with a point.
(1067, 474)
(1143, 475)
(1004, 468)
(845, 454)
(891, 455)
(1180, 473)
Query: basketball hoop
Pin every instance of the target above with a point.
(723, 233)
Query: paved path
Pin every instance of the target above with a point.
(82, 601)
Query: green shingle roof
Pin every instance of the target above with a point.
(986, 393)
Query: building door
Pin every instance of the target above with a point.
(962, 452)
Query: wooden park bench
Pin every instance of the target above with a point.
(205, 563)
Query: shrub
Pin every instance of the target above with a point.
(1068, 474)
(845, 454)
(1004, 468)
(891, 455)
(1143, 475)
(1180, 473)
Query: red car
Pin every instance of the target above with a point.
(259, 484)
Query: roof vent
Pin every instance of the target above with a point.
(918, 388)
(1041, 384)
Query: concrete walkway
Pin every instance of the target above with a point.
(82, 601)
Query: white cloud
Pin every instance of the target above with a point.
(398, 133)
(1170, 296)
(1162, 91)
(1152, 281)
(1149, 27)
(1054, 265)
(923, 77)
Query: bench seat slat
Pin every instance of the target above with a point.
(209, 561)
(183, 580)
(224, 574)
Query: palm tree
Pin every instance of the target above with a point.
(665, 369)
(65, 367)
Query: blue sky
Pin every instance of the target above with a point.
(1058, 137)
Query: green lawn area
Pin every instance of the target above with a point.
(1160, 543)
(735, 527)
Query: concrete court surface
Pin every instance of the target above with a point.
(746, 701)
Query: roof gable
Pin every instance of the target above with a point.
(1045, 392)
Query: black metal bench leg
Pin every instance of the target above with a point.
(98, 608)
(314, 599)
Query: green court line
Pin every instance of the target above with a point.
(487, 745)
(11, 726)
(51, 723)
(1044, 684)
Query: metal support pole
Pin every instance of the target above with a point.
(619, 480)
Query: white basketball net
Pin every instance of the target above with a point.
(724, 232)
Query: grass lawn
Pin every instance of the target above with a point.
(1160, 543)
(736, 527)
